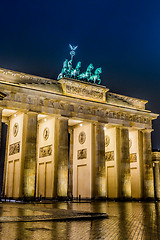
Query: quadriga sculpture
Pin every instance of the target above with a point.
(64, 71)
(75, 72)
(87, 74)
(69, 72)
(96, 77)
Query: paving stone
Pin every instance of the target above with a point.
(127, 220)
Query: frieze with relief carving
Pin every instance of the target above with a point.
(109, 156)
(100, 112)
(45, 151)
(14, 148)
(133, 157)
(84, 92)
(82, 154)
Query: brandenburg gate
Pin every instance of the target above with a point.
(71, 137)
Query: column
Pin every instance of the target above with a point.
(29, 154)
(70, 187)
(4, 187)
(100, 176)
(0, 125)
(1, 153)
(156, 179)
(62, 157)
(147, 165)
(125, 177)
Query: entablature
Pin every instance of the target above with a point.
(125, 101)
(51, 103)
(70, 87)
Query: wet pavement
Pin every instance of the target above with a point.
(60, 220)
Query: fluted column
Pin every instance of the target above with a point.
(62, 156)
(29, 154)
(156, 179)
(70, 187)
(125, 177)
(0, 125)
(147, 165)
(100, 176)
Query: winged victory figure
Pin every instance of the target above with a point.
(72, 52)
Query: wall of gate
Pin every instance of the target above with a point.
(45, 158)
(14, 157)
(82, 160)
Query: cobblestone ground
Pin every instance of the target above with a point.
(127, 220)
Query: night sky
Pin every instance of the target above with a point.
(122, 37)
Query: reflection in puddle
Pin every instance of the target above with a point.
(127, 220)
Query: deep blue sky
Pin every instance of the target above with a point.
(122, 37)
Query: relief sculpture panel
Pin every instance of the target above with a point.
(109, 156)
(133, 157)
(14, 148)
(82, 154)
(45, 151)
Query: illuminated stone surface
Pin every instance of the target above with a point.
(43, 162)
(132, 220)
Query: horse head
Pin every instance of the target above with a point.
(90, 67)
(98, 71)
(65, 64)
(78, 65)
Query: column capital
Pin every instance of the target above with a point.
(99, 124)
(29, 112)
(155, 161)
(124, 127)
(62, 118)
(147, 130)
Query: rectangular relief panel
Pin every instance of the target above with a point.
(14, 148)
(82, 154)
(133, 157)
(45, 151)
(109, 156)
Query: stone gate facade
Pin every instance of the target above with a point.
(69, 137)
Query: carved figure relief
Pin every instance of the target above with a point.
(15, 129)
(133, 157)
(82, 154)
(109, 156)
(107, 141)
(46, 133)
(82, 137)
(14, 148)
(45, 151)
